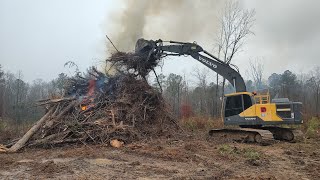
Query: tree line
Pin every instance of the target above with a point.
(18, 98)
(203, 99)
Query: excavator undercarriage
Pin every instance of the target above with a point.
(254, 135)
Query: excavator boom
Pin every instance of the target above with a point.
(157, 50)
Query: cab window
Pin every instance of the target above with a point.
(237, 104)
(247, 102)
(233, 105)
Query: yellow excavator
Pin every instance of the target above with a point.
(253, 113)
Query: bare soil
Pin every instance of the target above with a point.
(191, 156)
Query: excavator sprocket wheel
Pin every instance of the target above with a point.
(283, 134)
(288, 136)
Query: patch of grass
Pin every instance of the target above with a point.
(3, 125)
(248, 153)
(251, 154)
(313, 127)
(226, 149)
(10, 130)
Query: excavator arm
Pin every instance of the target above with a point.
(156, 49)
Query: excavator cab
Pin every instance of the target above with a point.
(255, 109)
(239, 102)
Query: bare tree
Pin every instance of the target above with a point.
(317, 75)
(174, 86)
(314, 84)
(256, 72)
(2, 88)
(235, 26)
(202, 84)
(217, 107)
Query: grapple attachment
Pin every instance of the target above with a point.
(144, 46)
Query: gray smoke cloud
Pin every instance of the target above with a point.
(181, 20)
(287, 34)
(291, 22)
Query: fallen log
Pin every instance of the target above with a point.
(28, 135)
(65, 110)
(12, 142)
(67, 141)
(53, 101)
(47, 139)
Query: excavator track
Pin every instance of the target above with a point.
(240, 135)
(253, 135)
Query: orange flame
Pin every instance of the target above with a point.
(89, 99)
(83, 108)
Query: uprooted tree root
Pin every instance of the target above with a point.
(131, 63)
(99, 108)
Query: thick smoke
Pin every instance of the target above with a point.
(287, 34)
(181, 20)
(289, 21)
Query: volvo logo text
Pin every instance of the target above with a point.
(207, 62)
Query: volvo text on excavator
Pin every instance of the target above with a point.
(250, 111)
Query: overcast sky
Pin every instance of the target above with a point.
(39, 36)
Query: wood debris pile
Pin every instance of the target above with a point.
(98, 108)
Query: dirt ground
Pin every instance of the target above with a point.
(192, 156)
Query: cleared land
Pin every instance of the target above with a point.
(190, 156)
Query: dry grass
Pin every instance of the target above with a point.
(200, 123)
(233, 151)
(312, 127)
(10, 130)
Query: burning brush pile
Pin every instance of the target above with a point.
(99, 108)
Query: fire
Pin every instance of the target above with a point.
(83, 108)
(89, 99)
(87, 106)
(87, 103)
